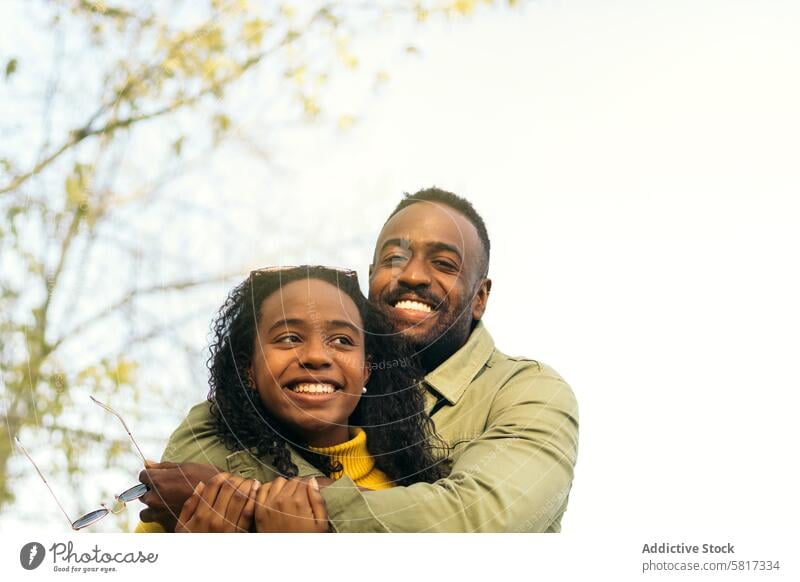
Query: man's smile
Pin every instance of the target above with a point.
(412, 307)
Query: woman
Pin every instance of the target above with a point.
(304, 371)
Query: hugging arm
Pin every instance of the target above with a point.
(516, 476)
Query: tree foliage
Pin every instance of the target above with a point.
(113, 75)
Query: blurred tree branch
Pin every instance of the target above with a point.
(133, 91)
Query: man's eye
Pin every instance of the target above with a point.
(394, 259)
(445, 264)
(288, 339)
(342, 341)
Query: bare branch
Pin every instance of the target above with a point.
(79, 135)
(134, 294)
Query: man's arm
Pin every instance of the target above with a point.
(193, 454)
(515, 477)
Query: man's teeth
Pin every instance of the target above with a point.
(415, 305)
(313, 388)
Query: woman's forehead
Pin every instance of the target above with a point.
(311, 299)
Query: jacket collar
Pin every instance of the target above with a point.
(453, 376)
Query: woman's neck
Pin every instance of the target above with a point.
(336, 435)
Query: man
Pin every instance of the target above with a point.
(511, 423)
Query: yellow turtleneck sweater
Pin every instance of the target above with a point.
(356, 463)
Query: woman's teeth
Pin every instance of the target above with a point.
(414, 305)
(313, 388)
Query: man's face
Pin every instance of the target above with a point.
(427, 275)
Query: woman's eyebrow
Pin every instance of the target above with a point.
(286, 323)
(343, 323)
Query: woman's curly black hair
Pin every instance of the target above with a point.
(400, 436)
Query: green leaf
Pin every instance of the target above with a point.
(253, 31)
(177, 146)
(75, 192)
(11, 67)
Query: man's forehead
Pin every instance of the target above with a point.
(428, 223)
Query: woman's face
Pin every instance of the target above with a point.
(308, 361)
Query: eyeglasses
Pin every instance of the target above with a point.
(343, 272)
(120, 500)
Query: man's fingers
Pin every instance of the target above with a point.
(149, 515)
(318, 507)
(144, 477)
(157, 465)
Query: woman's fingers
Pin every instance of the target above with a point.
(276, 485)
(236, 505)
(318, 508)
(246, 517)
(188, 510)
(290, 489)
(227, 487)
(212, 488)
(261, 510)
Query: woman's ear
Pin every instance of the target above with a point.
(250, 381)
(367, 370)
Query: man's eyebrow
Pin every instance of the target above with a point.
(395, 242)
(435, 246)
(441, 246)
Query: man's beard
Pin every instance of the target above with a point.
(446, 337)
(444, 340)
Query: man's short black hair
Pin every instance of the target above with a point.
(455, 202)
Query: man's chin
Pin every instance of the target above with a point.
(419, 335)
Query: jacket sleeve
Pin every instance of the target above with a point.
(516, 476)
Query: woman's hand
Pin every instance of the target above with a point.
(225, 505)
(291, 506)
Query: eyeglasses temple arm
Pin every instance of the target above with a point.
(19, 444)
(115, 413)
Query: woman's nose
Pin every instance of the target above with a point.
(315, 354)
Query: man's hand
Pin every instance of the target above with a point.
(290, 506)
(171, 484)
(224, 505)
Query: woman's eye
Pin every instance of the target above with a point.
(289, 339)
(342, 341)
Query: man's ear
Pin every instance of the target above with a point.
(481, 298)
(370, 270)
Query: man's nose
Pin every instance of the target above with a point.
(315, 353)
(414, 273)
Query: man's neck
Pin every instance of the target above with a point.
(437, 353)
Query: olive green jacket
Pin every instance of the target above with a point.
(511, 423)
